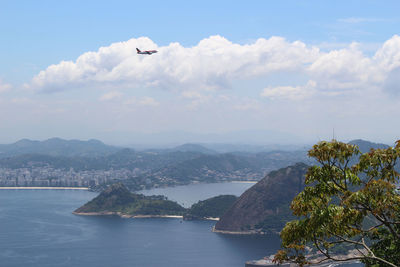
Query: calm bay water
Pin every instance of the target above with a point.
(37, 228)
(186, 195)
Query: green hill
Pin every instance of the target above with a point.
(265, 206)
(117, 199)
(213, 207)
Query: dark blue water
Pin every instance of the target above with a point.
(186, 195)
(37, 228)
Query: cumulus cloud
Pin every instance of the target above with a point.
(346, 68)
(215, 63)
(211, 64)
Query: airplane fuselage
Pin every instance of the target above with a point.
(148, 52)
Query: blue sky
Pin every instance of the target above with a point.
(38, 34)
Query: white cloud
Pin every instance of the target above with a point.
(215, 63)
(111, 96)
(344, 69)
(211, 64)
(290, 92)
(388, 56)
(4, 87)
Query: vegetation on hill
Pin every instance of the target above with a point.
(356, 205)
(117, 198)
(213, 207)
(264, 206)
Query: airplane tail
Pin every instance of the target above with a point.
(137, 49)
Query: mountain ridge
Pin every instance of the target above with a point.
(57, 147)
(266, 200)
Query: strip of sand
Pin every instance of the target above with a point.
(122, 215)
(212, 218)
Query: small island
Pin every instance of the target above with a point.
(118, 200)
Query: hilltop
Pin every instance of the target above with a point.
(365, 146)
(118, 200)
(57, 147)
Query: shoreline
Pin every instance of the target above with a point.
(43, 187)
(244, 182)
(122, 215)
(139, 216)
(237, 232)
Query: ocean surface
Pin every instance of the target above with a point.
(186, 195)
(37, 228)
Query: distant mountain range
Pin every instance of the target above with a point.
(94, 148)
(57, 147)
(180, 165)
(365, 146)
(194, 148)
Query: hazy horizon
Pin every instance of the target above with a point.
(148, 141)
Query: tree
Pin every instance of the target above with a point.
(350, 202)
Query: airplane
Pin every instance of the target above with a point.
(148, 52)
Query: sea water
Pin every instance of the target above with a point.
(38, 229)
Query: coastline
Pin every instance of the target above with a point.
(139, 216)
(122, 215)
(244, 182)
(42, 187)
(237, 232)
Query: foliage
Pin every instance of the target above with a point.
(213, 207)
(117, 198)
(275, 222)
(344, 203)
(386, 246)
